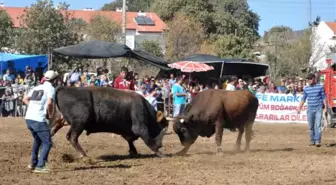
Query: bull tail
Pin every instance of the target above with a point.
(248, 127)
(57, 90)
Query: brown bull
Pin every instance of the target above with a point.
(213, 110)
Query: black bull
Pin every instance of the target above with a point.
(95, 109)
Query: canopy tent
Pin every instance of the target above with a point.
(97, 49)
(230, 66)
(19, 62)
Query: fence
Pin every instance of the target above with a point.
(280, 108)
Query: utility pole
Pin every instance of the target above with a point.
(310, 11)
(124, 22)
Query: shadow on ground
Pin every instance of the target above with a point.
(101, 167)
(126, 157)
(251, 151)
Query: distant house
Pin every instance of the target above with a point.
(139, 26)
(323, 38)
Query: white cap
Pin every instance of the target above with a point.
(50, 75)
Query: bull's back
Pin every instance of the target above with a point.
(240, 106)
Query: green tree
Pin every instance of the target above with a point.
(217, 18)
(103, 28)
(153, 47)
(184, 37)
(6, 29)
(44, 28)
(132, 5)
(230, 46)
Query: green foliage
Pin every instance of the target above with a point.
(184, 37)
(45, 28)
(152, 47)
(230, 46)
(132, 5)
(289, 57)
(277, 35)
(218, 18)
(6, 29)
(102, 28)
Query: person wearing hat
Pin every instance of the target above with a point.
(40, 104)
(315, 96)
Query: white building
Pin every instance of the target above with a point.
(323, 38)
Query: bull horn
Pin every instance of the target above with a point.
(159, 116)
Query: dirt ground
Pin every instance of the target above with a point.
(279, 155)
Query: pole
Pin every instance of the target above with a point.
(310, 11)
(124, 22)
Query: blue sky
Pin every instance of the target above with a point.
(292, 13)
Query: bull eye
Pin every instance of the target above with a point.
(183, 129)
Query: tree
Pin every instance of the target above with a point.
(230, 46)
(103, 28)
(6, 29)
(152, 47)
(44, 28)
(217, 18)
(132, 5)
(184, 37)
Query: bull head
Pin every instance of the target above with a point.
(161, 120)
(183, 126)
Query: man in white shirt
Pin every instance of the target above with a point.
(232, 85)
(40, 104)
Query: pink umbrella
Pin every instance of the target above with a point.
(189, 66)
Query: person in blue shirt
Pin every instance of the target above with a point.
(315, 96)
(179, 97)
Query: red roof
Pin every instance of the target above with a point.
(332, 26)
(86, 15)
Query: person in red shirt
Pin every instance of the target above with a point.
(121, 81)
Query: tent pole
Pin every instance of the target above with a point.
(221, 74)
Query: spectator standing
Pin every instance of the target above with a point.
(282, 89)
(232, 85)
(8, 76)
(121, 81)
(40, 104)
(314, 94)
(179, 97)
(172, 80)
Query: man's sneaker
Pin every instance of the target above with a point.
(318, 145)
(312, 144)
(43, 169)
(31, 167)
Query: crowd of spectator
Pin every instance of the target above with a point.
(171, 94)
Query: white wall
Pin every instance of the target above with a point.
(321, 43)
(134, 37)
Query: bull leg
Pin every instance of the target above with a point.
(219, 136)
(72, 137)
(248, 136)
(55, 129)
(132, 150)
(183, 151)
(239, 138)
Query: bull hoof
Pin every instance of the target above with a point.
(181, 153)
(133, 154)
(160, 155)
(88, 160)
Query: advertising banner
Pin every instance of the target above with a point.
(280, 108)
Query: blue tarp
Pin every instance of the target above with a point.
(21, 61)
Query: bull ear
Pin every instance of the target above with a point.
(159, 116)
